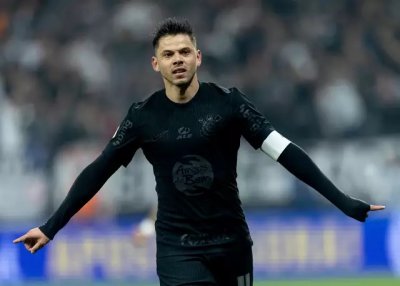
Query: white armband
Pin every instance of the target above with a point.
(274, 145)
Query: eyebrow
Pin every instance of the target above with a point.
(171, 51)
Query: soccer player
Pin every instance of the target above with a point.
(190, 132)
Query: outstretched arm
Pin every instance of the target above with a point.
(119, 151)
(297, 162)
(87, 184)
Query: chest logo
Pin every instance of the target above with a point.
(184, 133)
(192, 175)
(209, 124)
(157, 137)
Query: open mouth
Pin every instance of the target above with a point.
(179, 71)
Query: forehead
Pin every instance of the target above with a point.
(174, 42)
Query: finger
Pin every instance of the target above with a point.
(20, 239)
(377, 208)
(27, 246)
(36, 247)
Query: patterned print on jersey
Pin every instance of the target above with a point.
(257, 120)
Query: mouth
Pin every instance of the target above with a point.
(179, 71)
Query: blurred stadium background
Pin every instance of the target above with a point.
(326, 73)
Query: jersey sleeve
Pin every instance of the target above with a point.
(254, 126)
(126, 140)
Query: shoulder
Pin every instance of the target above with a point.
(231, 96)
(139, 107)
(222, 90)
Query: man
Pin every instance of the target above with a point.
(190, 132)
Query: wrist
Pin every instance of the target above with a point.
(46, 232)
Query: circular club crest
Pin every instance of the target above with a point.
(192, 175)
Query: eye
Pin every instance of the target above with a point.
(167, 54)
(185, 52)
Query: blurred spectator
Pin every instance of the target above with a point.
(11, 133)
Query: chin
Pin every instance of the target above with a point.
(182, 82)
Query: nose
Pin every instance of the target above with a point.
(177, 60)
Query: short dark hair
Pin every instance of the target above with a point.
(173, 26)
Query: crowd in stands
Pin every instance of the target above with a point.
(69, 69)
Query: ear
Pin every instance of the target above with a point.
(198, 58)
(154, 64)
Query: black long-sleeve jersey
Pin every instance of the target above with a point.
(193, 150)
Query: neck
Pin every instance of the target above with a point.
(182, 94)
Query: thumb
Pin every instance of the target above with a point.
(20, 239)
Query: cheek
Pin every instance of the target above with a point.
(194, 63)
(164, 69)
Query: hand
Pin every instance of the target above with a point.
(33, 240)
(358, 209)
